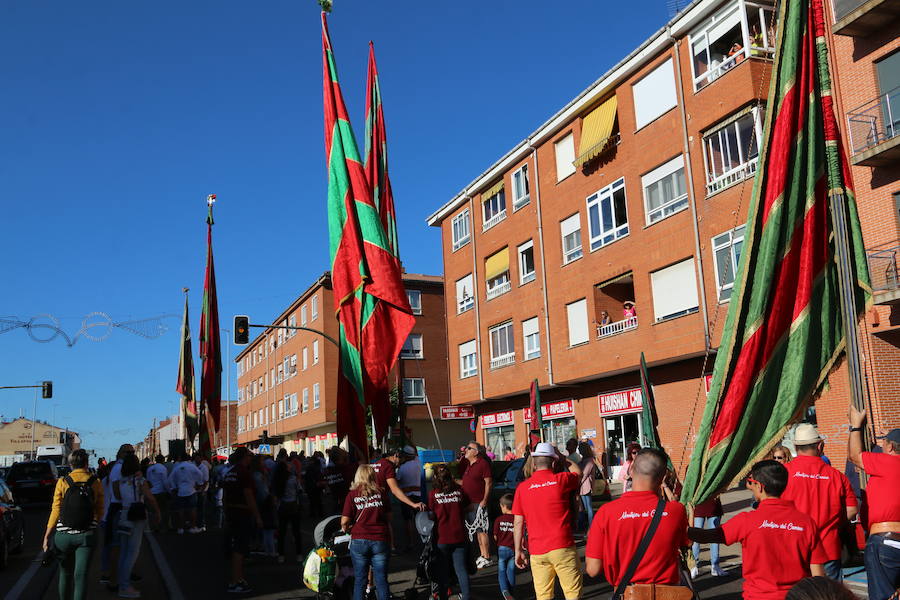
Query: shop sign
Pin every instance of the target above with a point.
(553, 410)
(589, 434)
(621, 403)
(457, 412)
(504, 417)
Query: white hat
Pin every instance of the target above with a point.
(544, 449)
(806, 434)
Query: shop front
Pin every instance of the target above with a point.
(499, 432)
(621, 415)
(558, 420)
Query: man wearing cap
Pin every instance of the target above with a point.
(823, 493)
(409, 478)
(386, 477)
(543, 504)
(882, 555)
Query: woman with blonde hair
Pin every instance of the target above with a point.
(366, 518)
(782, 454)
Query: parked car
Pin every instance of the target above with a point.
(33, 481)
(62, 471)
(12, 525)
(507, 475)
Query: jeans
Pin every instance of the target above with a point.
(288, 515)
(506, 569)
(130, 535)
(454, 554)
(365, 554)
(882, 566)
(75, 551)
(110, 537)
(707, 523)
(587, 515)
(834, 570)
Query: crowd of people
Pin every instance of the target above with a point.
(791, 539)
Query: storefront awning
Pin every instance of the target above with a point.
(596, 129)
(494, 189)
(496, 264)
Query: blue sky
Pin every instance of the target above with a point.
(118, 118)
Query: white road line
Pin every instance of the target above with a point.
(16, 592)
(164, 569)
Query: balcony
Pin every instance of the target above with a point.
(503, 361)
(616, 328)
(499, 289)
(733, 176)
(500, 216)
(875, 131)
(885, 276)
(859, 18)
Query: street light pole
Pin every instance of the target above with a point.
(33, 422)
(228, 391)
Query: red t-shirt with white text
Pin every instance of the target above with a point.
(544, 499)
(369, 516)
(384, 470)
(822, 492)
(503, 530)
(473, 479)
(777, 543)
(617, 530)
(449, 510)
(881, 490)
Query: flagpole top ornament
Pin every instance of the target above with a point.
(211, 199)
(185, 290)
(325, 4)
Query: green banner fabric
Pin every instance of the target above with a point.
(185, 383)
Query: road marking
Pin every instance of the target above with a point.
(164, 569)
(16, 592)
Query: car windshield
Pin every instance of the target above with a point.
(29, 471)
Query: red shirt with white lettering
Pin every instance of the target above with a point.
(384, 470)
(617, 530)
(544, 500)
(369, 516)
(777, 543)
(449, 510)
(822, 492)
(503, 530)
(473, 479)
(881, 489)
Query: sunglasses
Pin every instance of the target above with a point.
(471, 448)
(777, 457)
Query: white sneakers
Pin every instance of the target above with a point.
(194, 530)
(482, 562)
(695, 572)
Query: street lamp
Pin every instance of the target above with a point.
(228, 390)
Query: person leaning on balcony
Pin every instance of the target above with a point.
(604, 318)
(628, 309)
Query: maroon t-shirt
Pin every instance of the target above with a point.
(449, 510)
(338, 483)
(503, 530)
(384, 470)
(473, 479)
(369, 516)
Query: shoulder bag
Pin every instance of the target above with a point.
(649, 591)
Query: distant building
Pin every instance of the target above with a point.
(16, 436)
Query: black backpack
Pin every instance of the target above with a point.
(77, 510)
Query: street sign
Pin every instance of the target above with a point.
(457, 412)
(264, 449)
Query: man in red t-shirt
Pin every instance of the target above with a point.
(882, 555)
(543, 504)
(777, 540)
(386, 477)
(476, 480)
(822, 492)
(619, 526)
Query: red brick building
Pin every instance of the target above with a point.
(636, 191)
(287, 380)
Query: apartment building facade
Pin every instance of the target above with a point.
(611, 230)
(287, 379)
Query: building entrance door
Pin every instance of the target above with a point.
(559, 431)
(621, 430)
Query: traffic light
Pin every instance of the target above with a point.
(241, 330)
(265, 436)
(47, 389)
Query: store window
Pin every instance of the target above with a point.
(621, 413)
(500, 440)
(559, 431)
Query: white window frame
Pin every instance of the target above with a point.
(683, 294)
(415, 301)
(604, 200)
(316, 397)
(521, 192)
(303, 320)
(531, 339)
(654, 94)
(564, 151)
(746, 165)
(500, 284)
(414, 390)
(666, 171)
(727, 240)
(467, 302)
(293, 365)
(468, 359)
(305, 406)
(305, 357)
(315, 352)
(497, 203)
(410, 351)
(281, 409)
(577, 320)
(526, 276)
(314, 308)
(292, 322)
(461, 229)
(570, 229)
(502, 345)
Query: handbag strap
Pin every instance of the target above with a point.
(641, 549)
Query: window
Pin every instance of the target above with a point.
(305, 406)
(280, 377)
(293, 365)
(726, 249)
(654, 95)
(565, 157)
(314, 308)
(521, 197)
(261, 388)
(292, 322)
(496, 273)
(576, 313)
(315, 396)
(240, 370)
(414, 390)
(531, 338)
(412, 347)
(293, 404)
(281, 409)
(607, 215)
(461, 233)
(503, 350)
(415, 301)
(570, 229)
(465, 294)
(674, 290)
(665, 192)
(305, 358)
(271, 376)
(303, 320)
(280, 337)
(731, 151)
(468, 360)
(286, 363)
(315, 352)
(494, 208)
(526, 262)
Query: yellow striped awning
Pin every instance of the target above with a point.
(496, 264)
(494, 189)
(596, 129)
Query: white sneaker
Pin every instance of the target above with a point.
(717, 571)
(695, 572)
(480, 562)
(194, 530)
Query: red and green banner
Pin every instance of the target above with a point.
(784, 331)
(185, 383)
(369, 299)
(537, 419)
(376, 156)
(210, 350)
(649, 420)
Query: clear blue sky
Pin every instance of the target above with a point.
(118, 118)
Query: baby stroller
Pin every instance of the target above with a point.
(427, 570)
(332, 549)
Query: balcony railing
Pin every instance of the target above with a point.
(499, 289)
(875, 122)
(494, 220)
(860, 18)
(503, 361)
(617, 327)
(883, 268)
(713, 73)
(729, 178)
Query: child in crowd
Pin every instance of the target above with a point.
(503, 537)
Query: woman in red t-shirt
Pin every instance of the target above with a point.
(476, 481)
(448, 502)
(366, 511)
